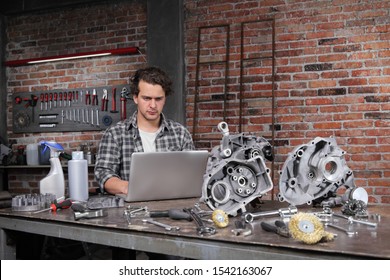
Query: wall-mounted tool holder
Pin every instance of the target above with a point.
(83, 109)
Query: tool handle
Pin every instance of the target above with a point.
(61, 205)
(113, 102)
(156, 214)
(280, 224)
(268, 227)
(178, 214)
(175, 214)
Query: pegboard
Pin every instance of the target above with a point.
(83, 109)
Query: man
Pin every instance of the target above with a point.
(147, 130)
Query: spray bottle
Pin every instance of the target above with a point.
(54, 182)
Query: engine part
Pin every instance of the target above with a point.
(308, 228)
(313, 172)
(355, 207)
(236, 172)
(282, 212)
(32, 202)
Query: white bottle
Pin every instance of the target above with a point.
(78, 177)
(32, 154)
(54, 182)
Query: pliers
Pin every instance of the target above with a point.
(104, 100)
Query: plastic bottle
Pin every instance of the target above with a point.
(54, 182)
(78, 177)
(32, 154)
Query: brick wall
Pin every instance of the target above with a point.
(332, 72)
(332, 77)
(83, 29)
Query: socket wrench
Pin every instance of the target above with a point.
(282, 212)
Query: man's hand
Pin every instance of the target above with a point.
(115, 185)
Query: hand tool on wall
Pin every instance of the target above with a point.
(46, 100)
(123, 103)
(104, 100)
(57, 205)
(70, 96)
(60, 97)
(87, 98)
(50, 99)
(94, 98)
(42, 100)
(55, 99)
(65, 98)
(113, 102)
(32, 102)
(18, 100)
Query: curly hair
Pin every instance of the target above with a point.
(151, 75)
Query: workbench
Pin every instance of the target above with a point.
(114, 231)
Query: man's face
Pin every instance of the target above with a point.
(150, 100)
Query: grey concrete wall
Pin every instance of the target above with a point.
(165, 47)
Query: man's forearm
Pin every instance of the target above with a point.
(115, 185)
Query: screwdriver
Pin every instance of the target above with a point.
(57, 205)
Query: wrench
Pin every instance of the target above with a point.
(282, 212)
(165, 226)
(201, 228)
(349, 233)
(352, 220)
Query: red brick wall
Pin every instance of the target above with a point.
(332, 71)
(58, 32)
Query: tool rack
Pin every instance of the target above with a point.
(81, 109)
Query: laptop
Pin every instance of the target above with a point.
(166, 175)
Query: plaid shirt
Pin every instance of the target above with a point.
(120, 141)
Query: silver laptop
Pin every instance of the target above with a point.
(166, 175)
